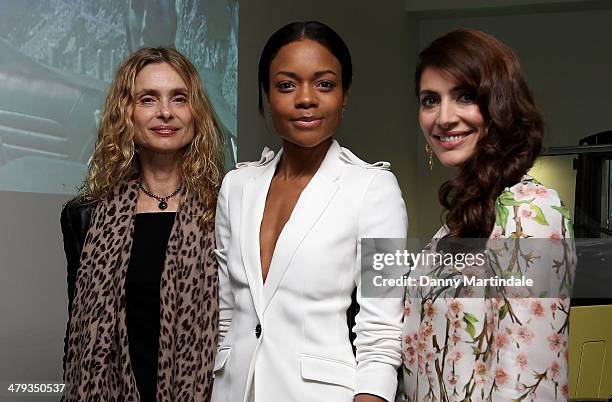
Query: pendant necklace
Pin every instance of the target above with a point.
(163, 201)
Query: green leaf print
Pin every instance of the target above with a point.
(539, 215)
(567, 216)
(503, 311)
(507, 199)
(563, 211)
(501, 216)
(470, 320)
(468, 317)
(470, 328)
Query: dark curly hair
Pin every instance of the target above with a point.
(514, 127)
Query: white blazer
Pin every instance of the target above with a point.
(287, 340)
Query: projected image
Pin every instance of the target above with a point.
(57, 58)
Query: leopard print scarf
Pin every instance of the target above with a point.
(98, 362)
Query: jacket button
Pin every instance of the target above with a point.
(258, 331)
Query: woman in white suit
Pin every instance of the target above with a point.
(288, 232)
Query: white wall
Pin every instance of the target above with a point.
(33, 302)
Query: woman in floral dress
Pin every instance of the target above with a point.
(495, 343)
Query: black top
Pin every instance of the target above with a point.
(142, 288)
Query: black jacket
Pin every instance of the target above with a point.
(75, 221)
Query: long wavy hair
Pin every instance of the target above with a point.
(514, 127)
(115, 158)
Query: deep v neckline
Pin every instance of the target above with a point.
(310, 206)
(282, 230)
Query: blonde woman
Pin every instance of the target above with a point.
(142, 277)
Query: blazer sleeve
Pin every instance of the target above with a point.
(379, 321)
(222, 238)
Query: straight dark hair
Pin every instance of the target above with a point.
(296, 31)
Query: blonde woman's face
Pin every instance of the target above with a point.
(162, 118)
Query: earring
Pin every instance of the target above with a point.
(343, 110)
(429, 152)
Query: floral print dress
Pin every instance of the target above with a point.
(504, 345)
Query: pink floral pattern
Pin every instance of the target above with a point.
(511, 347)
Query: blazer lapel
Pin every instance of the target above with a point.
(312, 203)
(253, 202)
